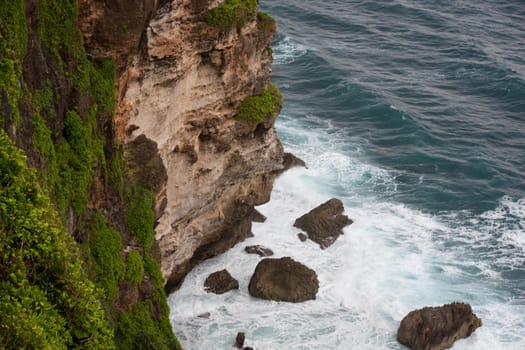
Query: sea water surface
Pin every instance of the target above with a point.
(413, 114)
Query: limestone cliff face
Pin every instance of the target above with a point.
(182, 92)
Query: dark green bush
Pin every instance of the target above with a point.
(232, 14)
(141, 216)
(106, 247)
(134, 267)
(255, 109)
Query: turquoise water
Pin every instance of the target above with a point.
(413, 113)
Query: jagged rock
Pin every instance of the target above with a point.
(436, 328)
(324, 223)
(247, 348)
(302, 236)
(259, 250)
(239, 340)
(256, 216)
(204, 315)
(283, 280)
(291, 161)
(220, 282)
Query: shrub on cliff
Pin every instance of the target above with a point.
(232, 13)
(255, 109)
(46, 300)
(265, 23)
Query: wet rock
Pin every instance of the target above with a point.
(283, 280)
(324, 223)
(256, 216)
(302, 236)
(204, 315)
(259, 250)
(220, 282)
(291, 161)
(436, 328)
(239, 340)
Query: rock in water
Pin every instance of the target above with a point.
(283, 280)
(220, 282)
(239, 340)
(256, 216)
(259, 250)
(302, 237)
(324, 223)
(436, 328)
(291, 161)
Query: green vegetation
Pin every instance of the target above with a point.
(232, 14)
(105, 247)
(266, 23)
(46, 300)
(136, 330)
(134, 267)
(255, 109)
(141, 216)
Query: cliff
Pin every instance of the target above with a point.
(150, 126)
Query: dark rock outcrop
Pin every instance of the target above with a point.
(302, 237)
(283, 280)
(220, 282)
(436, 328)
(324, 223)
(259, 250)
(239, 340)
(291, 161)
(256, 216)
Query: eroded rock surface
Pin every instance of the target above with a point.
(291, 161)
(325, 223)
(182, 91)
(220, 282)
(437, 328)
(283, 279)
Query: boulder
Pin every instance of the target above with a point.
(324, 223)
(283, 280)
(302, 236)
(436, 328)
(220, 282)
(259, 250)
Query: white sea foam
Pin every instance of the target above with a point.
(392, 260)
(287, 51)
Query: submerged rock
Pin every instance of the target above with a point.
(283, 280)
(302, 237)
(259, 250)
(436, 328)
(220, 282)
(324, 223)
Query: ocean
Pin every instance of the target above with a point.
(413, 114)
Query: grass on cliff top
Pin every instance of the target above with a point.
(232, 14)
(255, 109)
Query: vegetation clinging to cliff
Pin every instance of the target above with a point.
(232, 14)
(255, 109)
(46, 300)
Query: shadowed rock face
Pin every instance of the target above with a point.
(283, 280)
(220, 282)
(436, 328)
(324, 223)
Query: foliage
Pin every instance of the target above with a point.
(255, 109)
(46, 300)
(232, 13)
(141, 217)
(265, 23)
(134, 267)
(13, 26)
(137, 330)
(105, 247)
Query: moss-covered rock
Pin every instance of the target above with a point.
(255, 109)
(232, 14)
